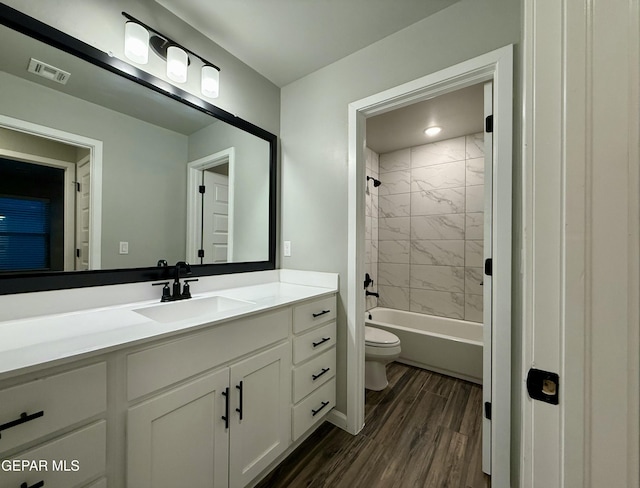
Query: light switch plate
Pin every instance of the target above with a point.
(287, 248)
(124, 247)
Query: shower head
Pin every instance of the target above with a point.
(376, 183)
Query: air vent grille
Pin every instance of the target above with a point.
(47, 71)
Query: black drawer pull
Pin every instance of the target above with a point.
(324, 339)
(315, 412)
(316, 376)
(240, 408)
(316, 315)
(23, 418)
(39, 484)
(225, 417)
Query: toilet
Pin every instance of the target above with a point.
(381, 347)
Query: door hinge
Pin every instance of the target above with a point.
(543, 386)
(488, 124)
(201, 188)
(488, 267)
(487, 410)
(200, 253)
(77, 186)
(77, 253)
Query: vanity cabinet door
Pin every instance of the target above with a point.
(179, 438)
(261, 426)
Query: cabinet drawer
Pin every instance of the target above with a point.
(63, 399)
(313, 313)
(174, 361)
(313, 408)
(314, 342)
(68, 461)
(309, 376)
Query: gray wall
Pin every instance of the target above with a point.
(314, 128)
(143, 171)
(251, 188)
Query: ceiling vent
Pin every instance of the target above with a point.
(47, 71)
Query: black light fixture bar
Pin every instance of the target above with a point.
(168, 39)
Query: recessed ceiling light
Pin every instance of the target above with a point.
(432, 131)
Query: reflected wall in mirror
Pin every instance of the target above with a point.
(139, 159)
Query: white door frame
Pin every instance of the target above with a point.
(95, 153)
(497, 66)
(194, 169)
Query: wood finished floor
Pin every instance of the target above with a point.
(424, 430)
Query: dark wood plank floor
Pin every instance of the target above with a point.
(424, 430)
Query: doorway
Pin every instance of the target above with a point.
(210, 208)
(59, 175)
(495, 67)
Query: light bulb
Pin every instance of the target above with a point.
(210, 81)
(432, 131)
(177, 64)
(136, 43)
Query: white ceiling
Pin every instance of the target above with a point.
(458, 113)
(285, 40)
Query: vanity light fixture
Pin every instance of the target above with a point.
(432, 131)
(178, 58)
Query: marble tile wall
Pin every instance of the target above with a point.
(371, 226)
(430, 228)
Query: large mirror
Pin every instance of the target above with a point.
(104, 170)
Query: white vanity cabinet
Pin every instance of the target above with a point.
(58, 422)
(314, 363)
(225, 426)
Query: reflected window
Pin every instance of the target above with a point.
(25, 234)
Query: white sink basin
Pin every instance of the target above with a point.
(191, 308)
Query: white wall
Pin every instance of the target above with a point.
(243, 91)
(314, 128)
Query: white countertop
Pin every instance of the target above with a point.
(34, 341)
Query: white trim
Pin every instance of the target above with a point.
(95, 150)
(497, 66)
(194, 170)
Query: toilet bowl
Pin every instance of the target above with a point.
(381, 347)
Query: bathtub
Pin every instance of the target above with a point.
(448, 346)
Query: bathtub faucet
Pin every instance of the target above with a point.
(372, 294)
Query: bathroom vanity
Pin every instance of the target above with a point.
(212, 395)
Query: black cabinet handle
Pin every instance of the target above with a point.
(37, 485)
(316, 315)
(324, 339)
(225, 417)
(315, 412)
(239, 409)
(316, 376)
(23, 418)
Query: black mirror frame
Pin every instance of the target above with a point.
(43, 281)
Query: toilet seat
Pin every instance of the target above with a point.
(374, 337)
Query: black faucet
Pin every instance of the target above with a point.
(177, 294)
(372, 294)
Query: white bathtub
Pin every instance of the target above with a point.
(448, 346)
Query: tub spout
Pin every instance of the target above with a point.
(372, 294)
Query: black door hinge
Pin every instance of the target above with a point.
(543, 386)
(488, 124)
(488, 267)
(200, 253)
(77, 186)
(77, 253)
(201, 188)
(487, 410)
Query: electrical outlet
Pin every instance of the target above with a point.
(287, 248)
(124, 248)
